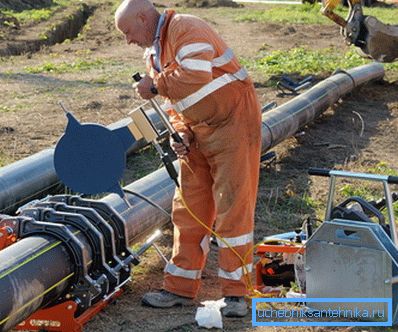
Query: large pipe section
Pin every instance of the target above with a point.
(35, 176)
(33, 265)
(26, 179)
(285, 120)
(31, 260)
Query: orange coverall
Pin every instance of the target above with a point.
(215, 102)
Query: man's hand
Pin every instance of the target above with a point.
(180, 149)
(143, 87)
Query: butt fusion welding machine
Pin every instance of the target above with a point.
(349, 255)
(352, 254)
(90, 158)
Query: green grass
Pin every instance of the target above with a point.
(4, 160)
(368, 190)
(305, 13)
(283, 205)
(35, 15)
(357, 189)
(306, 61)
(78, 65)
(283, 213)
(383, 168)
(143, 162)
(5, 109)
(309, 14)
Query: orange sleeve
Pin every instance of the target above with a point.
(183, 77)
(179, 124)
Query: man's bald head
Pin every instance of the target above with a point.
(129, 8)
(137, 20)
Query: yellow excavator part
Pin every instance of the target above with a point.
(330, 4)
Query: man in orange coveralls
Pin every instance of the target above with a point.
(213, 105)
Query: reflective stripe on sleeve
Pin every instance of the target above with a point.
(193, 48)
(223, 59)
(234, 275)
(236, 241)
(179, 272)
(209, 88)
(193, 64)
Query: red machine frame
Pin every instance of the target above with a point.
(60, 317)
(291, 248)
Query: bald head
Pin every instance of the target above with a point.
(137, 20)
(129, 8)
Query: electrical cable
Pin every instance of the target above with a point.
(148, 200)
(249, 285)
(253, 293)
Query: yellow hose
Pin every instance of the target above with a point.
(253, 293)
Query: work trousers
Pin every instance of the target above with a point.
(220, 187)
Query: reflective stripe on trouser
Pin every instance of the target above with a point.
(179, 272)
(225, 162)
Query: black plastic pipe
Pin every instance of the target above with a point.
(35, 176)
(33, 265)
(285, 120)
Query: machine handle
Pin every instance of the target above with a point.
(392, 179)
(170, 168)
(137, 77)
(176, 137)
(326, 172)
(319, 171)
(367, 207)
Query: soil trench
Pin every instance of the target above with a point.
(67, 25)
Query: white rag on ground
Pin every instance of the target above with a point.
(209, 316)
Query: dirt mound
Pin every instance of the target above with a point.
(208, 3)
(20, 5)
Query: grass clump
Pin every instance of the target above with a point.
(142, 163)
(368, 193)
(369, 190)
(65, 67)
(306, 13)
(306, 61)
(358, 189)
(284, 204)
(4, 160)
(5, 109)
(31, 16)
(309, 14)
(383, 168)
